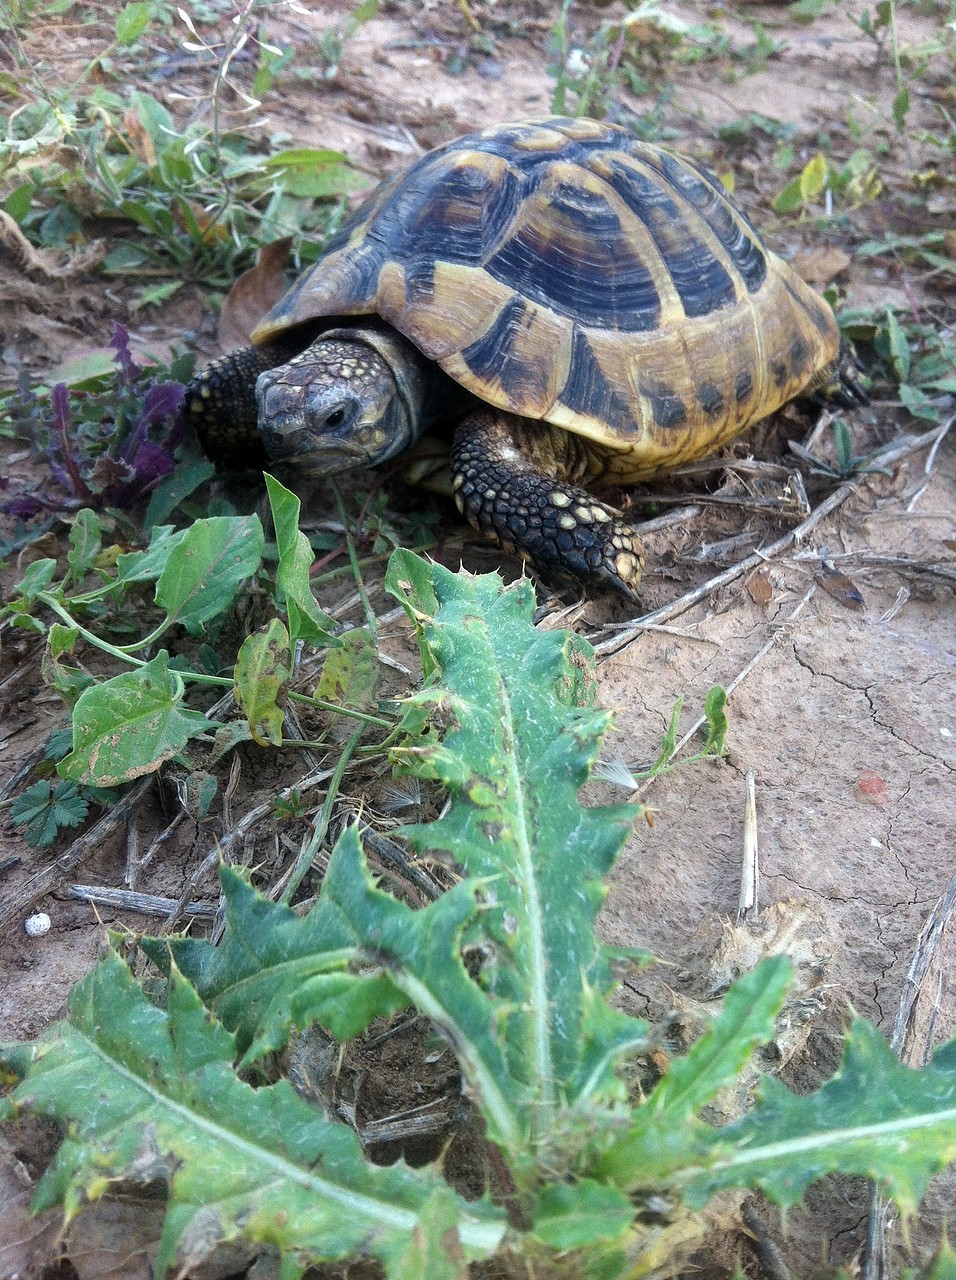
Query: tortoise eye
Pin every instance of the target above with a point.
(335, 418)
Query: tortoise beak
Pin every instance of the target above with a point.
(313, 462)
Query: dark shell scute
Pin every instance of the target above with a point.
(743, 386)
(711, 399)
(571, 254)
(587, 389)
(455, 214)
(491, 357)
(360, 270)
(667, 406)
(702, 282)
(799, 355)
(730, 225)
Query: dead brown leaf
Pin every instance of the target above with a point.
(26, 1242)
(838, 585)
(115, 1239)
(253, 295)
(137, 136)
(822, 265)
(759, 587)
(48, 262)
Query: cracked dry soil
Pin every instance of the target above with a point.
(848, 721)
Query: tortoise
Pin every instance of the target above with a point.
(580, 309)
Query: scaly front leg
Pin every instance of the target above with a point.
(514, 481)
(221, 404)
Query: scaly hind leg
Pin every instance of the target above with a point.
(514, 481)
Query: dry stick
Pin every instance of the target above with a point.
(929, 984)
(765, 1248)
(289, 883)
(749, 901)
(930, 463)
(900, 564)
(129, 900)
(630, 631)
(42, 881)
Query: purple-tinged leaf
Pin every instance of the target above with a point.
(119, 342)
(151, 464)
(23, 507)
(110, 478)
(162, 401)
(61, 420)
(61, 409)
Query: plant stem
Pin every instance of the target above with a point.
(324, 705)
(307, 856)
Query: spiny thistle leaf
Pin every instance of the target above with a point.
(275, 970)
(520, 737)
(664, 1131)
(143, 1088)
(422, 952)
(875, 1117)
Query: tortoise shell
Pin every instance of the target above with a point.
(566, 271)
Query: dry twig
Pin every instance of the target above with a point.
(629, 631)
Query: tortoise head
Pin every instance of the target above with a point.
(352, 399)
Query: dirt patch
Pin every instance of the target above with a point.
(846, 717)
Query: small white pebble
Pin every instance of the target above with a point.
(36, 926)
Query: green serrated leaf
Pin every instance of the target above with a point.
(423, 952)
(203, 570)
(46, 807)
(37, 578)
(901, 107)
(69, 682)
(434, 1252)
(86, 371)
(746, 1020)
(514, 729)
(86, 539)
(276, 970)
(660, 1128)
(943, 1265)
(176, 488)
(129, 725)
(131, 21)
(316, 174)
(715, 711)
(790, 199)
(146, 566)
(900, 356)
(18, 202)
(805, 10)
(813, 178)
(408, 579)
(575, 1215)
(517, 730)
(120, 1072)
(263, 669)
(875, 1118)
(306, 620)
(61, 639)
(919, 403)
